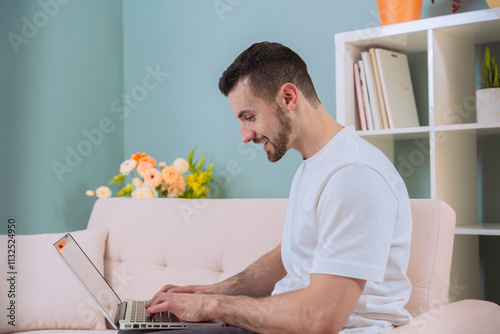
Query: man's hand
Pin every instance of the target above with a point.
(170, 288)
(200, 302)
(195, 307)
(322, 307)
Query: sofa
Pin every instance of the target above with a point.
(141, 244)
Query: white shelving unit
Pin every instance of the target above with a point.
(448, 133)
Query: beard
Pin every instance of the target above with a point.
(280, 141)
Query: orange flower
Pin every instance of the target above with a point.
(140, 157)
(137, 156)
(176, 187)
(152, 178)
(170, 174)
(143, 167)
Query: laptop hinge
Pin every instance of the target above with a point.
(122, 309)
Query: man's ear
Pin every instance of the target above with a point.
(289, 93)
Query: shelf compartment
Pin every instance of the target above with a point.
(405, 43)
(477, 32)
(413, 44)
(455, 173)
(412, 159)
(410, 153)
(453, 83)
(488, 165)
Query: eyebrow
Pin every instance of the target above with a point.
(243, 112)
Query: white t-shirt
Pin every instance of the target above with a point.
(349, 215)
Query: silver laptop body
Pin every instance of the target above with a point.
(127, 314)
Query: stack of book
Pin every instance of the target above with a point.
(384, 91)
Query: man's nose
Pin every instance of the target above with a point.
(247, 135)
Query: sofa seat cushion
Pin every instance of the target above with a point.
(47, 295)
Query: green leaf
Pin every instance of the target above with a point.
(192, 165)
(495, 73)
(200, 163)
(117, 179)
(489, 71)
(125, 191)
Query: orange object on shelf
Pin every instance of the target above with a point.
(396, 11)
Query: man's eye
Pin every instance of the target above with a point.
(248, 118)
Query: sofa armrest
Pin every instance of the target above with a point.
(465, 316)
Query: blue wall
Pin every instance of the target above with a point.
(60, 68)
(93, 60)
(194, 41)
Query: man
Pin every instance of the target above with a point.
(342, 262)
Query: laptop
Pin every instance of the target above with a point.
(126, 314)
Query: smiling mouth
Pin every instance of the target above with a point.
(264, 141)
(266, 144)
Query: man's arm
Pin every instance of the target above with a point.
(323, 307)
(257, 280)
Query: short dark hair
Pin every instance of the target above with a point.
(268, 66)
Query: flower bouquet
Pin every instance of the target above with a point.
(150, 179)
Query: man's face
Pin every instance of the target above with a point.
(261, 122)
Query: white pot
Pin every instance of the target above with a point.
(488, 105)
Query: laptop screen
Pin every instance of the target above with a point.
(88, 275)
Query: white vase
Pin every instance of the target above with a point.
(488, 105)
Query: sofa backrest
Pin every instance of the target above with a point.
(430, 254)
(152, 242)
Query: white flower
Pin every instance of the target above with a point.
(162, 164)
(127, 166)
(144, 191)
(90, 193)
(103, 192)
(181, 165)
(136, 182)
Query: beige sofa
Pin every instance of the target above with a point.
(141, 244)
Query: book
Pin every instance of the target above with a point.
(366, 100)
(359, 96)
(378, 88)
(372, 93)
(397, 89)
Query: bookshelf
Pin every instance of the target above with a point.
(439, 159)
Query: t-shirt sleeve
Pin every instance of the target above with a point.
(357, 211)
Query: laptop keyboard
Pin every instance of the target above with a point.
(140, 314)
